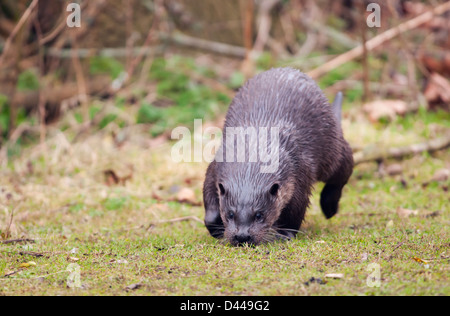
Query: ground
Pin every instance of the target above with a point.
(94, 237)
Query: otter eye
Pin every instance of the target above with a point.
(274, 189)
(258, 216)
(230, 215)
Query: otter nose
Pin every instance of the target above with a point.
(242, 238)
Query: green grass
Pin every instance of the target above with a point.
(116, 235)
(117, 246)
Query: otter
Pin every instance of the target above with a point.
(245, 204)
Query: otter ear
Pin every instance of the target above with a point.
(274, 189)
(221, 189)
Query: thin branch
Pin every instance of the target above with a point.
(377, 153)
(17, 28)
(379, 40)
(15, 241)
(42, 97)
(81, 81)
(176, 220)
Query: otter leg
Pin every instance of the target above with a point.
(213, 221)
(331, 193)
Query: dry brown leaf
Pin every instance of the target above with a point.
(73, 259)
(186, 195)
(437, 91)
(441, 175)
(364, 256)
(385, 109)
(133, 287)
(111, 178)
(405, 213)
(390, 224)
(421, 261)
(394, 169)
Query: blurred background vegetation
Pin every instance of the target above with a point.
(162, 63)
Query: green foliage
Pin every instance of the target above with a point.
(4, 115)
(114, 204)
(107, 119)
(28, 81)
(191, 99)
(340, 73)
(149, 114)
(105, 65)
(237, 79)
(354, 94)
(265, 61)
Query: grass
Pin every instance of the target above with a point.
(115, 235)
(75, 218)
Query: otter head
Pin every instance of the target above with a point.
(250, 210)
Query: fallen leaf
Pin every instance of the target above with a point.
(111, 177)
(335, 276)
(425, 264)
(390, 224)
(394, 169)
(73, 259)
(437, 91)
(385, 109)
(133, 287)
(364, 256)
(405, 213)
(441, 175)
(186, 195)
(28, 264)
(420, 260)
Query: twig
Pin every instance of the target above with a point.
(62, 26)
(175, 220)
(215, 47)
(81, 81)
(42, 97)
(365, 55)
(15, 241)
(17, 28)
(33, 278)
(376, 153)
(151, 35)
(398, 246)
(31, 253)
(379, 40)
(265, 23)
(129, 12)
(8, 228)
(177, 38)
(115, 52)
(160, 199)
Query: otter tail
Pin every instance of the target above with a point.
(337, 105)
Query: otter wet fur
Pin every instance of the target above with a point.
(244, 205)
